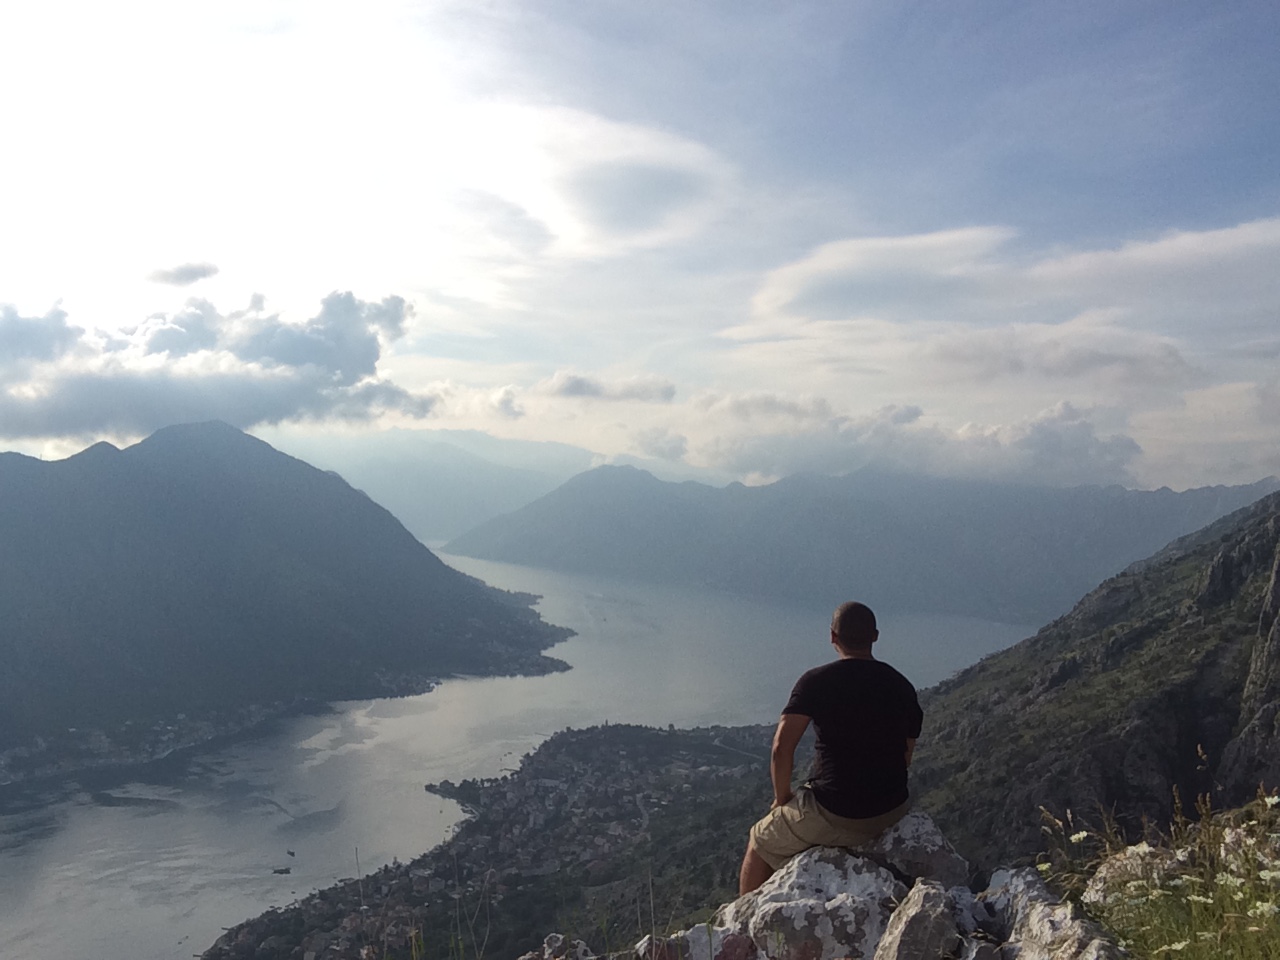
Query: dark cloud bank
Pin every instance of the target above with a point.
(267, 370)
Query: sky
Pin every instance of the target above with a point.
(1028, 241)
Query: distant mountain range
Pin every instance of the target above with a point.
(900, 542)
(440, 488)
(201, 569)
(440, 483)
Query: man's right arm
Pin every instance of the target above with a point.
(911, 749)
(782, 756)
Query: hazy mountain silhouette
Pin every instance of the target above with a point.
(900, 542)
(440, 490)
(203, 568)
(441, 483)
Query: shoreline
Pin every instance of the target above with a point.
(95, 760)
(579, 829)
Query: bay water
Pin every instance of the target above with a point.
(154, 864)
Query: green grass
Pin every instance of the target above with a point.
(1204, 889)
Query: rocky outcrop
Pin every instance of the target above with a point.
(923, 927)
(1253, 755)
(824, 903)
(830, 903)
(1166, 678)
(1041, 926)
(915, 847)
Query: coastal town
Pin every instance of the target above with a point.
(129, 744)
(575, 836)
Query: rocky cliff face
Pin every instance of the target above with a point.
(1166, 678)
(1253, 755)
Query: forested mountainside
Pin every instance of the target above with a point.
(907, 543)
(1166, 676)
(201, 570)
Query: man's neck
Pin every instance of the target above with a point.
(861, 653)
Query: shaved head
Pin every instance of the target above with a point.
(854, 625)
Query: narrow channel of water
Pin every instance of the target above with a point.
(153, 869)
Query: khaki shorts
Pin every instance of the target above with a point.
(802, 823)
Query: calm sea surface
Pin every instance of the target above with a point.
(153, 869)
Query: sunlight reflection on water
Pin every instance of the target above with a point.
(153, 870)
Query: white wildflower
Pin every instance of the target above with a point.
(1077, 837)
(1273, 799)
(1263, 909)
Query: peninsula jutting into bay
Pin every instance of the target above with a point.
(193, 584)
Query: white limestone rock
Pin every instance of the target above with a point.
(830, 903)
(1140, 862)
(1040, 926)
(915, 847)
(555, 946)
(822, 904)
(922, 928)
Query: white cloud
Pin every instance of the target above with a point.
(646, 389)
(1194, 284)
(876, 276)
(661, 443)
(184, 274)
(1060, 446)
(758, 407)
(246, 367)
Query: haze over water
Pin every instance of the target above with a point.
(153, 868)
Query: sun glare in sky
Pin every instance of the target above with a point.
(1029, 241)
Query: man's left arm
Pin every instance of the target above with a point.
(915, 723)
(782, 757)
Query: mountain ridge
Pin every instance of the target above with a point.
(201, 569)
(996, 551)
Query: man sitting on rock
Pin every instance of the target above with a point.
(866, 719)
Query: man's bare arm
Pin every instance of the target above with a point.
(782, 757)
(911, 749)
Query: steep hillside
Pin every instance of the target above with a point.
(201, 570)
(996, 551)
(1166, 676)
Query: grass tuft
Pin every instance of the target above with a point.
(1206, 888)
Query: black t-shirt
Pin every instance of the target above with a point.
(863, 713)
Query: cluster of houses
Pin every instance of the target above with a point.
(578, 801)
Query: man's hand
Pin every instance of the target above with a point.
(783, 801)
(791, 728)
